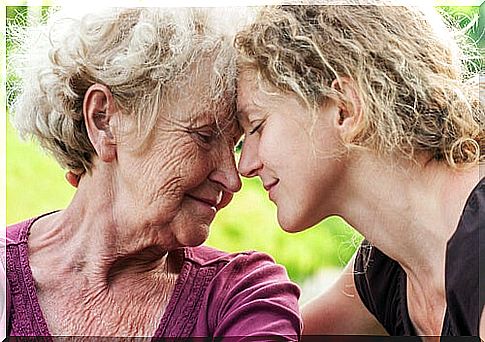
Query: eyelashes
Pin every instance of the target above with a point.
(207, 136)
(256, 128)
(204, 137)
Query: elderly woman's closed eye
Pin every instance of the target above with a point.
(138, 104)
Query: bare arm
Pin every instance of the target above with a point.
(340, 310)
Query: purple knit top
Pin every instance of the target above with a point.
(216, 294)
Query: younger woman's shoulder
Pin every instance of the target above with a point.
(465, 257)
(476, 201)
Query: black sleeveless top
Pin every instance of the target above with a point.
(381, 281)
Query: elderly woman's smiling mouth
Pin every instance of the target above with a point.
(207, 200)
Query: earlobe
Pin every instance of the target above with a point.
(99, 111)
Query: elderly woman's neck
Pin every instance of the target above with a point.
(95, 240)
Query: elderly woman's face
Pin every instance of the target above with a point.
(187, 170)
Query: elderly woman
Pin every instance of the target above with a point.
(140, 103)
(366, 112)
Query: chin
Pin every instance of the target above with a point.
(294, 223)
(291, 224)
(194, 236)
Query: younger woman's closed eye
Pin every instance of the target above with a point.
(256, 128)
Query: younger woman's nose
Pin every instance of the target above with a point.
(249, 162)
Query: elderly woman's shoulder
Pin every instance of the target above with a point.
(18, 232)
(246, 269)
(206, 255)
(245, 293)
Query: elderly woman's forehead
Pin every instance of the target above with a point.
(196, 99)
(215, 112)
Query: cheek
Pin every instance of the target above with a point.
(191, 166)
(287, 151)
(274, 147)
(174, 168)
(269, 154)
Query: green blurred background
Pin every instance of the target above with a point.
(36, 184)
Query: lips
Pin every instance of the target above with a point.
(226, 198)
(212, 201)
(268, 186)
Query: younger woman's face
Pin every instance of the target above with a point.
(297, 154)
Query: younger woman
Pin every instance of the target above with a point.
(367, 112)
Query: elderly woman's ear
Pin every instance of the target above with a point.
(73, 178)
(99, 115)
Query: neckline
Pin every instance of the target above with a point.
(30, 283)
(445, 326)
(408, 324)
(470, 199)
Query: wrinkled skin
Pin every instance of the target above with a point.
(115, 247)
(187, 157)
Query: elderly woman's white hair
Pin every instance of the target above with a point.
(139, 53)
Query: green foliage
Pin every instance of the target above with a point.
(19, 16)
(35, 183)
(467, 19)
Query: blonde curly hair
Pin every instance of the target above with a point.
(406, 65)
(140, 54)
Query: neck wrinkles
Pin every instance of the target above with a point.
(96, 242)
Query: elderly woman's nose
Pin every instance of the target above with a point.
(226, 173)
(249, 162)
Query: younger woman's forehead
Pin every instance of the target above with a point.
(256, 96)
